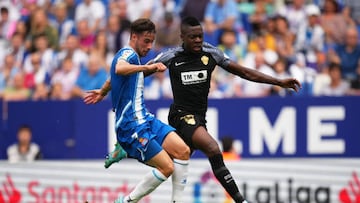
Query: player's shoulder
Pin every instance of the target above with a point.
(173, 51)
(207, 47)
(168, 54)
(213, 50)
(126, 53)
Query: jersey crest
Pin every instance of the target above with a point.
(205, 60)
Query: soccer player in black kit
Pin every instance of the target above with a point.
(190, 68)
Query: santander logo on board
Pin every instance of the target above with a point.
(8, 192)
(351, 193)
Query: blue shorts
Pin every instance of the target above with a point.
(145, 140)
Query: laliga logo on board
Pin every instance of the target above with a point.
(351, 194)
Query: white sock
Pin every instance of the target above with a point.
(148, 184)
(179, 178)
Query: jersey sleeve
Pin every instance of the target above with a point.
(165, 57)
(127, 55)
(219, 56)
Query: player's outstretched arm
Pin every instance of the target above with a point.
(257, 76)
(97, 95)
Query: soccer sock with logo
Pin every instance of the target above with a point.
(148, 184)
(224, 176)
(179, 178)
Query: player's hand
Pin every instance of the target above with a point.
(291, 83)
(93, 96)
(157, 67)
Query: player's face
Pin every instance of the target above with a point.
(144, 43)
(193, 38)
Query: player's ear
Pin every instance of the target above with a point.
(133, 36)
(182, 36)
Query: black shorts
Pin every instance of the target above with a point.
(185, 124)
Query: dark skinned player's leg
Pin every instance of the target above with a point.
(203, 141)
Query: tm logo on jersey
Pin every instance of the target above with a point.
(193, 77)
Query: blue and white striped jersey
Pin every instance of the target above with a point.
(127, 93)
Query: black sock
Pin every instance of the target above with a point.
(225, 178)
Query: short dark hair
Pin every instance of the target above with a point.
(334, 66)
(4, 10)
(190, 21)
(142, 25)
(24, 127)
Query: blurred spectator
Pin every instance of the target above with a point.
(90, 77)
(48, 55)
(112, 31)
(346, 12)
(17, 91)
(310, 37)
(24, 150)
(214, 91)
(337, 86)
(139, 9)
(22, 28)
(284, 39)
(100, 48)
(39, 25)
(295, 14)
(70, 7)
(265, 39)
(14, 12)
(219, 15)
(348, 54)
(228, 44)
(354, 9)
(86, 35)
(64, 80)
(26, 8)
(252, 89)
(17, 48)
(72, 50)
(159, 87)
(194, 8)
(7, 72)
(280, 68)
(223, 80)
(304, 74)
(355, 85)
(321, 80)
(167, 32)
(260, 44)
(258, 16)
(93, 12)
(41, 92)
(123, 35)
(7, 26)
(161, 7)
(222, 84)
(333, 23)
(38, 74)
(229, 151)
(64, 25)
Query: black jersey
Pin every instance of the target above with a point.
(190, 75)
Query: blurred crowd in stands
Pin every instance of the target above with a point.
(58, 49)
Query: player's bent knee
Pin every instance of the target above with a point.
(183, 153)
(167, 169)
